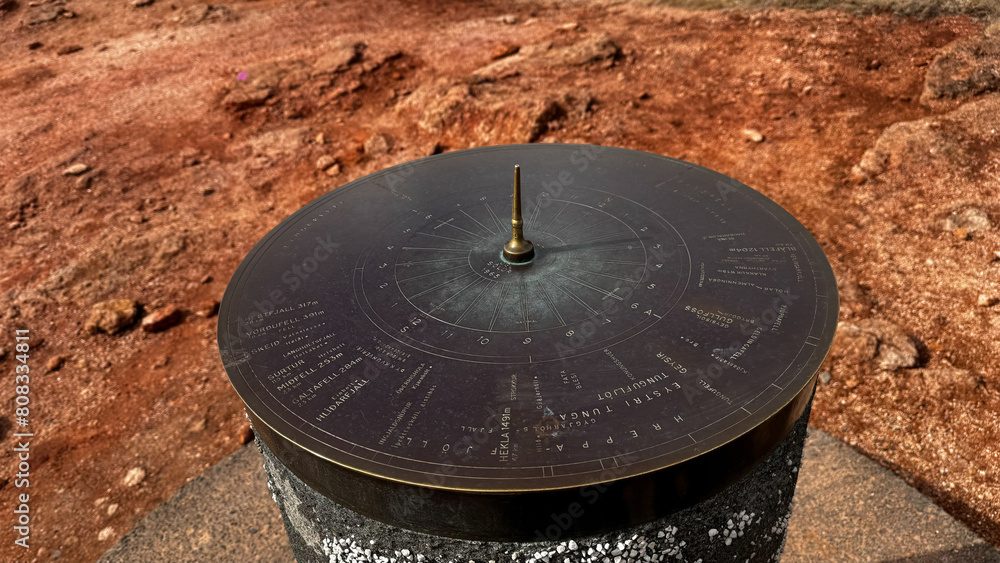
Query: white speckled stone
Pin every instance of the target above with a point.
(746, 523)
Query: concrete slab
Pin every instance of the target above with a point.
(848, 510)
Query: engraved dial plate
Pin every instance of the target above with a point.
(669, 310)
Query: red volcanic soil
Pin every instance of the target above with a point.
(200, 127)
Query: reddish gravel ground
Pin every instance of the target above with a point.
(200, 129)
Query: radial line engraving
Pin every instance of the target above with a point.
(490, 231)
(440, 285)
(571, 223)
(496, 310)
(548, 301)
(436, 249)
(445, 238)
(554, 217)
(489, 285)
(434, 273)
(448, 224)
(576, 298)
(590, 286)
(457, 293)
(496, 219)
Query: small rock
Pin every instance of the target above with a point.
(825, 377)
(198, 425)
(100, 501)
(84, 182)
(965, 68)
(112, 508)
(569, 26)
(320, 139)
(378, 144)
(54, 363)
(134, 477)
(961, 233)
(76, 169)
(35, 45)
(874, 340)
(325, 161)
(105, 534)
(162, 319)
(112, 316)
(69, 49)
(207, 309)
(142, 3)
(161, 362)
(753, 135)
(504, 50)
(987, 301)
(509, 19)
(338, 59)
(246, 434)
(333, 170)
(971, 219)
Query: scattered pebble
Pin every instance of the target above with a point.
(69, 49)
(55, 362)
(112, 508)
(198, 425)
(76, 169)
(246, 434)
(569, 26)
(377, 144)
(333, 170)
(35, 45)
(825, 377)
(134, 477)
(162, 319)
(504, 50)
(971, 219)
(753, 135)
(320, 139)
(105, 534)
(142, 3)
(207, 309)
(325, 161)
(111, 317)
(509, 19)
(987, 301)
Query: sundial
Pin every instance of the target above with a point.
(469, 343)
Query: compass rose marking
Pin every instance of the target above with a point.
(433, 273)
(440, 285)
(489, 285)
(548, 301)
(589, 286)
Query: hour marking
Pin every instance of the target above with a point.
(440, 285)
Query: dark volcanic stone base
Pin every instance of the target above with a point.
(746, 522)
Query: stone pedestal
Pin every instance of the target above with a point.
(745, 522)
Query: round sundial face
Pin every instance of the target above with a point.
(662, 335)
